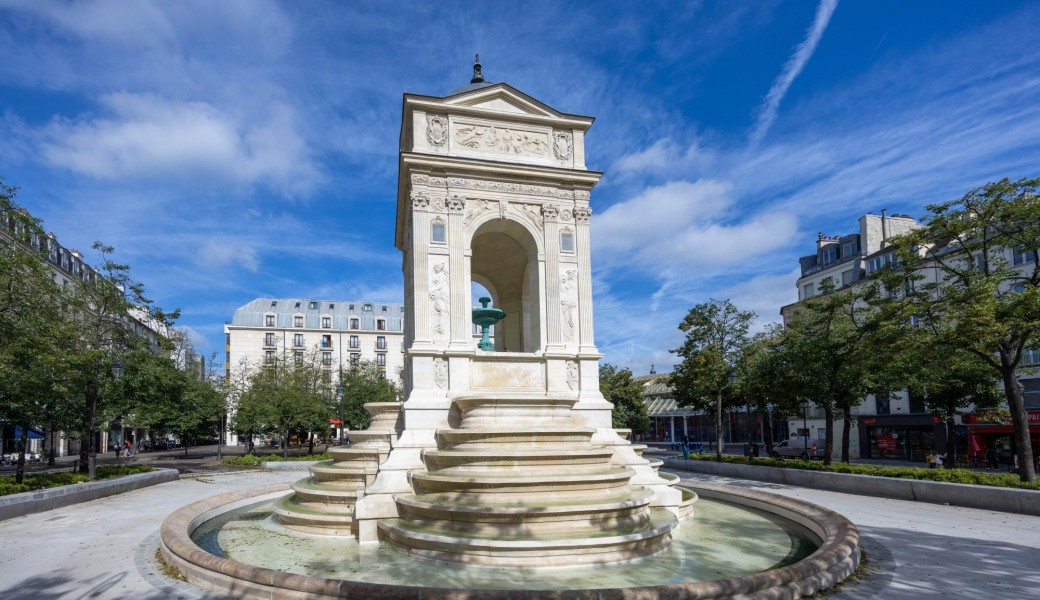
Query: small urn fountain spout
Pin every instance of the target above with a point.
(486, 317)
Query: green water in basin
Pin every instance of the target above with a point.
(722, 540)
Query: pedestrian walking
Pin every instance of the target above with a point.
(992, 458)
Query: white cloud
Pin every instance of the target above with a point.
(147, 136)
(216, 255)
(681, 230)
(791, 70)
(764, 295)
(664, 155)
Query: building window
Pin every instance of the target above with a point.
(354, 342)
(828, 255)
(297, 321)
(438, 232)
(298, 340)
(268, 320)
(269, 357)
(326, 377)
(298, 357)
(1031, 357)
(846, 277)
(269, 339)
(808, 290)
(849, 248)
(314, 305)
(326, 341)
(355, 358)
(566, 242)
(1021, 256)
(381, 359)
(326, 322)
(326, 358)
(355, 323)
(367, 308)
(381, 324)
(381, 342)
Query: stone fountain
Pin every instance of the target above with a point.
(503, 459)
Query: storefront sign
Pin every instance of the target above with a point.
(886, 442)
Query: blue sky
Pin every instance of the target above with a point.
(233, 150)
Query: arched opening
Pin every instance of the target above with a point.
(504, 260)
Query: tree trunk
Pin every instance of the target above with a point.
(19, 473)
(50, 453)
(1020, 422)
(285, 444)
(846, 431)
(310, 444)
(828, 444)
(718, 426)
(767, 432)
(87, 451)
(951, 440)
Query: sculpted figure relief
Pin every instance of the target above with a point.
(439, 301)
(569, 300)
(501, 139)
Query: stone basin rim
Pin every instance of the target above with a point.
(837, 557)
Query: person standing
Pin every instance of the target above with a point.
(992, 457)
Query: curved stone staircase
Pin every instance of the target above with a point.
(516, 483)
(324, 502)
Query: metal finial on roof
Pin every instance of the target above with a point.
(653, 371)
(478, 76)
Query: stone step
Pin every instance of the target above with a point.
(562, 438)
(542, 484)
(499, 460)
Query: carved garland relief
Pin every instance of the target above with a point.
(499, 186)
(440, 373)
(572, 375)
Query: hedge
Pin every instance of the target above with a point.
(49, 480)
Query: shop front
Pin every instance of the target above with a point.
(901, 437)
(981, 436)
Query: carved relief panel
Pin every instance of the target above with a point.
(569, 302)
(440, 300)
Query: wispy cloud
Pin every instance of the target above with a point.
(792, 68)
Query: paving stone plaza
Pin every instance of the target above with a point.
(106, 548)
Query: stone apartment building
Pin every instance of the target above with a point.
(341, 331)
(899, 426)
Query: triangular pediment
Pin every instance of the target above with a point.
(503, 98)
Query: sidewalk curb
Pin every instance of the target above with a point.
(27, 503)
(1009, 500)
(289, 465)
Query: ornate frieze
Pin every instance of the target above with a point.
(501, 140)
(500, 186)
(562, 144)
(436, 130)
(582, 214)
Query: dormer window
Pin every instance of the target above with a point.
(314, 305)
(381, 324)
(326, 322)
(268, 320)
(297, 320)
(355, 323)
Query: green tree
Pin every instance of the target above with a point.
(363, 382)
(956, 275)
(835, 354)
(34, 370)
(716, 333)
(761, 366)
(111, 311)
(282, 396)
(626, 394)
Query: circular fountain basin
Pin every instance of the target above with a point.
(742, 542)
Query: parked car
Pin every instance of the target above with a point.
(796, 449)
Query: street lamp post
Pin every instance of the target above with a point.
(117, 374)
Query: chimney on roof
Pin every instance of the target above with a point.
(884, 227)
